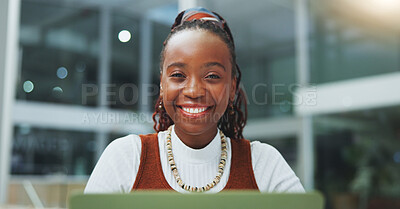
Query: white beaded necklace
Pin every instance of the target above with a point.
(174, 169)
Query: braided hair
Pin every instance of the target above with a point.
(234, 118)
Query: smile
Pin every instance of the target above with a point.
(194, 111)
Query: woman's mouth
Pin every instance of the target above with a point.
(194, 111)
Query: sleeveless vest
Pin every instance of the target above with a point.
(150, 175)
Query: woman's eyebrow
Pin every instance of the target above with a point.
(211, 64)
(177, 64)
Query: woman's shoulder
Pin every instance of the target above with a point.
(272, 172)
(124, 146)
(116, 166)
(259, 149)
(128, 141)
(265, 157)
(264, 149)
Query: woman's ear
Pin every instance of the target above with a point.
(161, 90)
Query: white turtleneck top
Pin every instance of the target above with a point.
(116, 170)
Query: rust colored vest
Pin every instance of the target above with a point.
(151, 177)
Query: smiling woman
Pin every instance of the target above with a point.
(199, 119)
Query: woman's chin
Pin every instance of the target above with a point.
(194, 129)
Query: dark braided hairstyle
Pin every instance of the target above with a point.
(231, 124)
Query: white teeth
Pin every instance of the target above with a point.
(194, 110)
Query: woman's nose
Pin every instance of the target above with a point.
(194, 88)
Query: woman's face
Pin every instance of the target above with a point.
(196, 82)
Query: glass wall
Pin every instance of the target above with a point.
(59, 47)
(353, 39)
(357, 163)
(124, 61)
(358, 158)
(39, 151)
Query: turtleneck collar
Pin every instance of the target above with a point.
(188, 154)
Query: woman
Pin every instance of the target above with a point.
(199, 146)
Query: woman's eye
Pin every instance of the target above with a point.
(213, 76)
(178, 75)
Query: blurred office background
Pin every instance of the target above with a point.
(322, 80)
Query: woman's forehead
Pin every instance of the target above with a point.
(196, 46)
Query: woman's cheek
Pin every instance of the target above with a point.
(171, 90)
(221, 92)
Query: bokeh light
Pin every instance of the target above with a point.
(28, 86)
(62, 72)
(57, 92)
(124, 36)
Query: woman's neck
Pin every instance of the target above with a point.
(196, 141)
